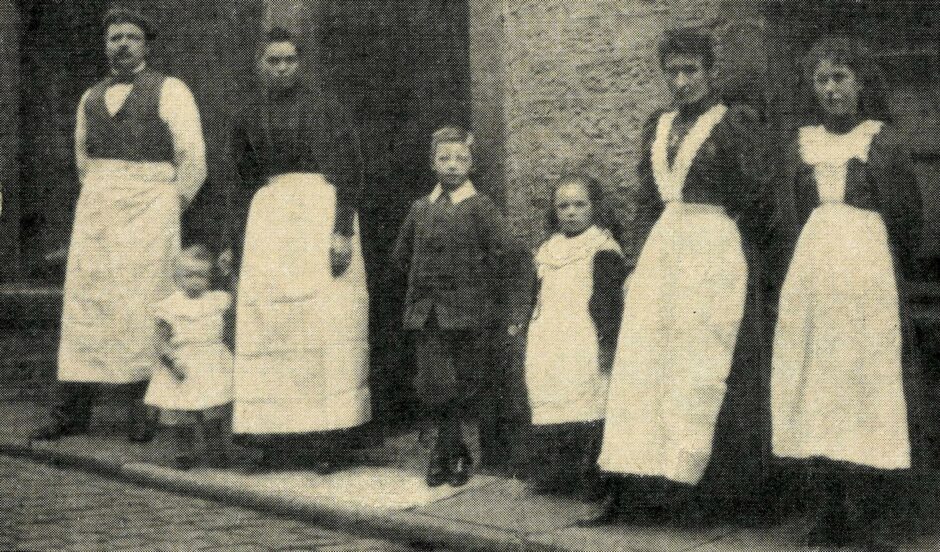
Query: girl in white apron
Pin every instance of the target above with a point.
(844, 377)
(571, 335)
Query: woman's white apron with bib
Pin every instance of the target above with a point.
(562, 369)
(301, 347)
(124, 241)
(836, 385)
(682, 311)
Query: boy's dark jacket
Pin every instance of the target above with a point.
(458, 259)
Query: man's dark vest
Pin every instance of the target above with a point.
(135, 132)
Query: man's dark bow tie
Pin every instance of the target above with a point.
(123, 78)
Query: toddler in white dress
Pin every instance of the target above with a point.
(193, 386)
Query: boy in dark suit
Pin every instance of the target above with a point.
(453, 244)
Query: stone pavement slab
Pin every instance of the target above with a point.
(383, 497)
(511, 506)
(663, 538)
(374, 488)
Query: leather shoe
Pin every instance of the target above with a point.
(460, 469)
(608, 514)
(53, 432)
(438, 472)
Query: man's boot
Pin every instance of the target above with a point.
(70, 413)
(141, 419)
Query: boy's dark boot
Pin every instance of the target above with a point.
(461, 465)
(438, 468)
(217, 443)
(185, 437)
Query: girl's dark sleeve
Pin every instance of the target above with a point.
(901, 202)
(649, 206)
(346, 170)
(606, 303)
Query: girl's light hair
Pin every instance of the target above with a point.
(450, 135)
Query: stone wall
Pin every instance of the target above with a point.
(581, 77)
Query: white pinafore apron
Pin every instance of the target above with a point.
(302, 349)
(124, 240)
(836, 385)
(562, 373)
(683, 307)
(197, 326)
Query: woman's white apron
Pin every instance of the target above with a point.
(683, 308)
(120, 262)
(562, 369)
(302, 350)
(836, 386)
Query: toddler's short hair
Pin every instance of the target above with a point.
(451, 134)
(275, 35)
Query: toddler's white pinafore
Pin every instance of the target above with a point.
(561, 365)
(683, 308)
(836, 385)
(197, 326)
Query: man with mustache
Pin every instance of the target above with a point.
(140, 157)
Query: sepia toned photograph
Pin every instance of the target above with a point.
(487, 275)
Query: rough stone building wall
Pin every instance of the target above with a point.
(581, 79)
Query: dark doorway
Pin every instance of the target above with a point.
(61, 54)
(404, 66)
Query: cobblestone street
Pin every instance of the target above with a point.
(43, 508)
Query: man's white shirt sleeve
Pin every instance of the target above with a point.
(179, 111)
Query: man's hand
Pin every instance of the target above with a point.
(340, 254)
(226, 262)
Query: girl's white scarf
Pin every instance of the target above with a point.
(560, 250)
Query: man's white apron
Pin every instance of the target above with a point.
(125, 238)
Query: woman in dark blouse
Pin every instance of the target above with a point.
(685, 414)
(301, 346)
(844, 387)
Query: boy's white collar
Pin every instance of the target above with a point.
(465, 191)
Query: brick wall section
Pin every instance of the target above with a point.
(581, 77)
